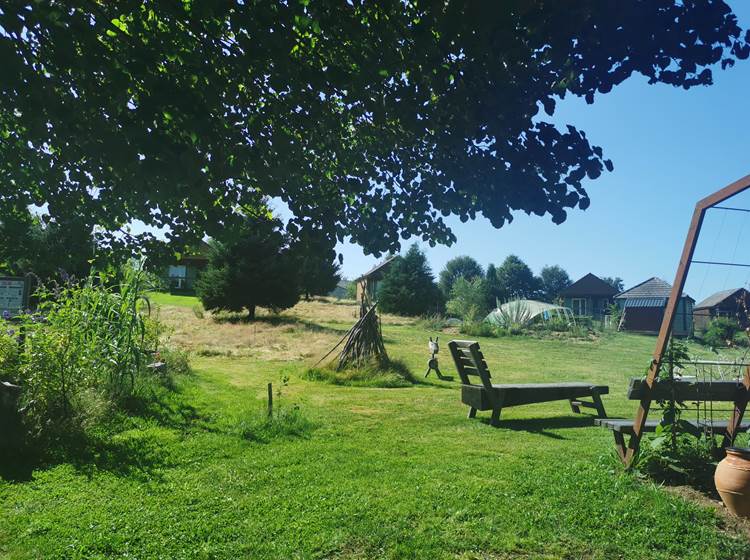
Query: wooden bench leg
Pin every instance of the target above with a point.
(599, 405)
(620, 446)
(472, 412)
(574, 407)
(495, 418)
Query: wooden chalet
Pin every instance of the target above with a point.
(643, 308)
(588, 297)
(732, 304)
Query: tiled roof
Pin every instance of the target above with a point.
(718, 297)
(651, 288)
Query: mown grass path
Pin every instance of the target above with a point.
(385, 473)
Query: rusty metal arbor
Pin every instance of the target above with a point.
(627, 452)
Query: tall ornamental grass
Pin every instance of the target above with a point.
(84, 355)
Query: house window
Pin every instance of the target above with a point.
(177, 276)
(579, 307)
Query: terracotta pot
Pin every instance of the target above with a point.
(732, 479)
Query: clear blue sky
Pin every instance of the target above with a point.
(670, 148)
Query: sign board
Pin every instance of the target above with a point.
(14, 295)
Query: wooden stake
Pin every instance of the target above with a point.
(270, 400)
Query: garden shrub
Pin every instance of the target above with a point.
(434, 322)
(721, 331)
(85, 354)
(479, 329)
(468, 299)
(9, 354)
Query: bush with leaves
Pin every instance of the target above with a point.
(458, 267)
(85, 354)
(468, 299)
(721, 331)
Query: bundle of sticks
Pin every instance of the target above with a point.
(363, 343)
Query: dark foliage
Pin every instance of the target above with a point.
(408, 286)
(494, 293)
(458, 267)
(253, 267)
(318, 270)
(617, 283)
(516, 281)
(554, 280)
(46, 249)
(375, 120)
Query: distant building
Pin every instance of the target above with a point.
(643, 308)
(182, 274)
(727, 303)
(367, 284)
(341, 290)
(588, 297)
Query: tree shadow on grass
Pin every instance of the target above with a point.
(125, 448)
(277, 320)
(542, 425)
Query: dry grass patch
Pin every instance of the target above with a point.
(304, 332)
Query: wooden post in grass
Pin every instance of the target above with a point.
(270, 400)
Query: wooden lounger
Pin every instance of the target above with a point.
(486, 396)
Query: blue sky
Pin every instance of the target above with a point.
(670, 148)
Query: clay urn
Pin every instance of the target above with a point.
(732, 479)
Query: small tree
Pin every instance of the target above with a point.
(319, 272)
(408, 287)
(492, 286)
(468, 299)
(253, 268)
(554, 280)
(515, 280)
(458, 267)
(616, 282)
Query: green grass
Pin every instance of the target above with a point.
(165, 298)
(374, 472)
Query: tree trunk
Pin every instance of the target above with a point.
(251, 313)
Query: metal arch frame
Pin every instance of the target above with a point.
(627, 453)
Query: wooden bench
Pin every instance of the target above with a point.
(683, 391)
(485, 396)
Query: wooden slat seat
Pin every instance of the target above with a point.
(484, 395)
(624, 426)
(683, 391)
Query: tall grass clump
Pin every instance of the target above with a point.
(84, 355)
(387, 373)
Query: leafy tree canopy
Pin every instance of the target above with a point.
(46, 249)
(554, 280)
(375, 120)
(254, 267)
(408, 286)
(516, 280)
(617, 283)
(458, 267)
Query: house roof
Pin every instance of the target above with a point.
(589, 285)
(653, 289)
(375, 269)
(719, 297)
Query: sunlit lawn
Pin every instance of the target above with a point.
(384, 473)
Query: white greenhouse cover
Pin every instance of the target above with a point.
(545, 311)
